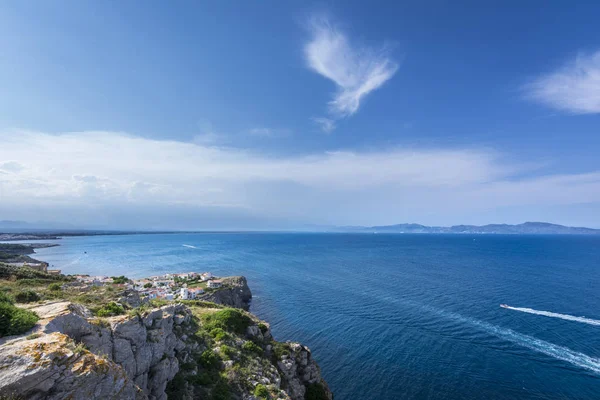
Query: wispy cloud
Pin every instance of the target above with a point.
(574, 88)
(327, 125)
(115, 172)
(269, 132)
(356, 70)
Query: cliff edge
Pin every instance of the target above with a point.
(186, 350)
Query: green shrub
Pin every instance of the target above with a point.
(209, 359)
(148, 285)
(228, 319)
(55, 287)
(219, 334)
(176, 387)
(34, 282)
(228, 351)
(263, 328)
(5, 298)
(252, 347)
(27, 296)
(120, 279)
(315, 391)
(9, 271)
(280, 349)
(110, 309)
(33, 336)
(202, 379)
(221, 391)
(14, 320)
(261, 391)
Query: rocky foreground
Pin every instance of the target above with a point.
(190, 350)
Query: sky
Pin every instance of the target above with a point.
(287, 114)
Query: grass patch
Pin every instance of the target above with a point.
(228, 319)
(33, 336)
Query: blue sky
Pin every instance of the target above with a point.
(277, 114)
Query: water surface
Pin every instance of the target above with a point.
(400, 316)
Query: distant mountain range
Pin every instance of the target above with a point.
(527, 228)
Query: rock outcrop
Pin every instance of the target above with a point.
(170, 351)
(234, 293)
(299, 371)
(53, 367)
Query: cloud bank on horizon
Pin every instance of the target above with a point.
(355, 70)
(107, 172)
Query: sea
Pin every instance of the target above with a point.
(398, 316)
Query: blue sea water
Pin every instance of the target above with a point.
(399, 316)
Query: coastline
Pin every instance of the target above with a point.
(137, 347)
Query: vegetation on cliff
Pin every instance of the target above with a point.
(14, 320)
(176, 349)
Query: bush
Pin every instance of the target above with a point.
(120, 279)
(110, 309)
(9, 271)
(176, 387)
(263, 328)
(280, 349)
(55, 287)
(14, 320)
(202, 379)
(261, 391)
(148, 285)
(252, 347)
(221, 391)
(5, 298)
(315, 391)
(228, 319)
(34, 282)
(27, 296)
(209, 359)
(228, 351)
(219, 334)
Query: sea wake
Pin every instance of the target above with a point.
(552, 350)
(556, 315)
(189, 246)
(559, 352)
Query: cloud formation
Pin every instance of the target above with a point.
(356, 70)
(573, 88)
(101, 174)
(327, 125)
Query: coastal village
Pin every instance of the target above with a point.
(182, 286)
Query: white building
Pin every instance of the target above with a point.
(214, 284)
(184, 293)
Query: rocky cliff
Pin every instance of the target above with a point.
(177, 351)
(234, 293)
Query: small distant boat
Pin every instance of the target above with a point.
(504, 305)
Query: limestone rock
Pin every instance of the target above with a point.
(234, 293)
(49, 367)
